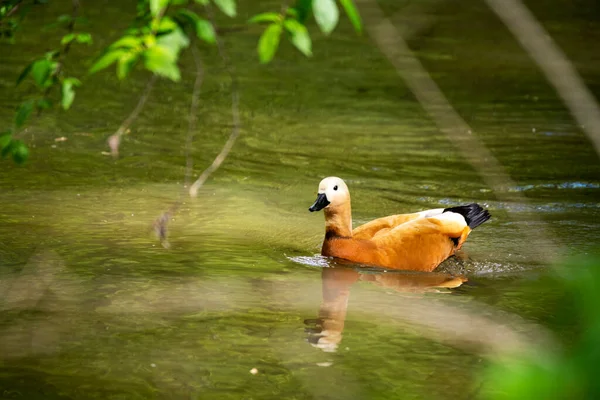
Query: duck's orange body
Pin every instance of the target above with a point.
(418, 241)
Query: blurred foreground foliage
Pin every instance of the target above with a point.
(570, 373)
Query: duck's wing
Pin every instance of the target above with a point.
(382, 226)
(422, 243)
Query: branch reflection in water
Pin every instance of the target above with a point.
(325, 332)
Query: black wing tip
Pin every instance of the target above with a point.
(473, 213)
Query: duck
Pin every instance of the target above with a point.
(419, 241)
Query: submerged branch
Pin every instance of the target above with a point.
(554, 63)
(115, 139)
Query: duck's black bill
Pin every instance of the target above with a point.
(320, 203)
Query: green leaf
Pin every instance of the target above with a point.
(265, 17)
(68, 94)
(40, 71)
(174, 41)
(65, 18)
(202, 2)
(127, 42)
(107, 59)
(302, 9)
(24, 73)
(5, 139)
(292, 12)
(227, 6)
(23, 112)
(126, 64)
(67, 38)
(160, 60)
(20, 152)
(156, 6)
(165, 25)
(7, 149)
(84, 38)
(352, 14)
(206, 31)
(326, 14)
(299, 36)
(269, 42)
(43, 103)
(190, 16)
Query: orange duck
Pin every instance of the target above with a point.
(418, 241)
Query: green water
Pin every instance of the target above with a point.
(92, 306)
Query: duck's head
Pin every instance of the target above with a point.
(333, 192)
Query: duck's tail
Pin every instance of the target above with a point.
(473, 213)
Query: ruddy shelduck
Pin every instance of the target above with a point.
(419, 241)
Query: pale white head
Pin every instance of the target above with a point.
(332, 192)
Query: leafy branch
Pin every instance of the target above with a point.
(46, 73)
(292, 20)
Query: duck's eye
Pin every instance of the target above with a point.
(335, 187)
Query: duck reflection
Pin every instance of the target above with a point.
(325, 332)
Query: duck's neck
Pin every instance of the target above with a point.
(338, 222)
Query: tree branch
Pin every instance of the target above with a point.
(115, 139)
(161, 223)
(235, 116)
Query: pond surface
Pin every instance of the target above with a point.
(241, 305)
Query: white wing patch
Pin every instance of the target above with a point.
(431, 213)
(452, 217)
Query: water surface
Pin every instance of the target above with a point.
(93, 307)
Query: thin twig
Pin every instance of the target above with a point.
(189, 161)
(235, 116)
(14, 9)
(161, 223)
(115, 139)
(559, 71)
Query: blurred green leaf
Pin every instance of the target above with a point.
(326, 14)
(269, 42)
(173, 41)
(84, 38)
(20, 152)
(40, 71)
(44, 103)
(292, 12)
(227, 6)
(156, 6)
(202, 2)
(23, 112)
(65, 18)
(126, 64)
(166, 24)
(206, 31)
(67, 38)
(352, 14)
(127, 41)
(5, 139)
(7, 149)
(265, 17)
(302, 10)
(299, 36)
(190, 16)
(68, 94)
(107, 59)
(160, 60)
(24, 73)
